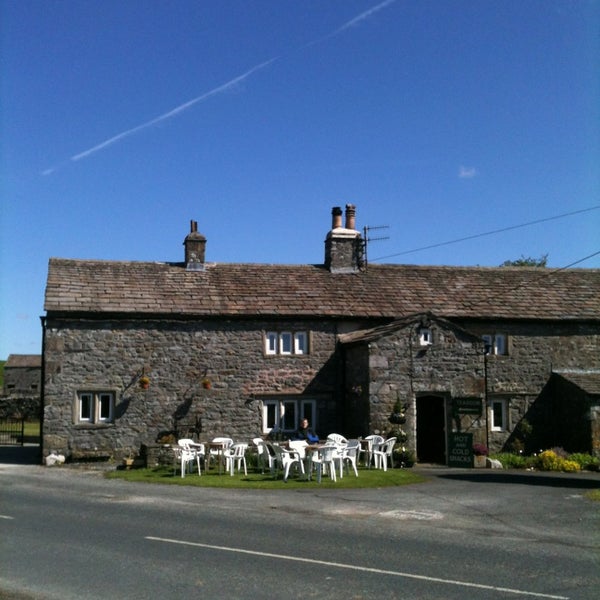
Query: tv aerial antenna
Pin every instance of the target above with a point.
(367, 239)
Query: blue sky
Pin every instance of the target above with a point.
(122, 121)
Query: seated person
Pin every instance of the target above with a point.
(304, 432)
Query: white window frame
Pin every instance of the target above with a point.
(106, 407)
(502, 403)
(101, 407)
(497, 343)
(300, 342)
(88, 398)
(271, 338)
(276, 414)
(425, 336)
(286, 343)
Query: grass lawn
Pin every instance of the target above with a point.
(32, 428)
(594, 495)
(367, 478)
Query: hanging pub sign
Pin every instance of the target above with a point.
(467, 406)
(460, 450)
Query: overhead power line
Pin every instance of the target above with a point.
(493, 232)
(576, 262)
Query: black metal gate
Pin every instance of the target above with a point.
(12, 431)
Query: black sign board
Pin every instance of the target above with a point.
(460, 450)
(467, 406)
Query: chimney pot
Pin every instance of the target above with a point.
(336, 214)
(350, 216)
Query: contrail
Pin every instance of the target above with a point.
(362, 16)
(182, 107)
(170, 113)
(352, 22)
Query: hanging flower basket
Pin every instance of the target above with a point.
(144, 382)
(397, 418)
(206, 383)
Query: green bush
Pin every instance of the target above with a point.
(586, 461)
(569, 466)
(549, 460)
(403, 458)
(510, 460)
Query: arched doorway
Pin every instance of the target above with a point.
(431, 430)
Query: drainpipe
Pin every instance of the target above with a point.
(42, 389)
(485, 395)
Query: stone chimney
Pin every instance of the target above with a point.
(195, 249)
(343, 245)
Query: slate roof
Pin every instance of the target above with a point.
(23, 360)
(588, 381)
(389, 291)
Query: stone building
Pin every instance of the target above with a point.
(135, 350)
(22, 386)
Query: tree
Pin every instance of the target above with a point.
(527, 261)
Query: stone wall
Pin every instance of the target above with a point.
(400, 369)
(454, 367)
(21, 392)
(355, 399)
(176, 356)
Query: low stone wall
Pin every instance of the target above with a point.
(157, 455)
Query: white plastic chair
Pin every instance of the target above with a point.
(299, 446)
(336, 438)
(286, 458)
(373, 441)
(185, 456)
(217, 453)
(260, 453)
(265, 455)
(350, 455)
(383, 453)
(235, 456)
(326, 459)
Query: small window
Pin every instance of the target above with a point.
(499, 344)
(300, 346)
(286, 342)
(498, 416)
(425, 337)
(105, 407)
(271, 342)
(85, 407)
(290, 408)
(95, 407)
(283, 415)
(495, 344)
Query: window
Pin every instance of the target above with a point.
(498, 418)
(425, 337)
(495, 344)
(286, 342)
(95, 407)
(284, 414)
(300, 344)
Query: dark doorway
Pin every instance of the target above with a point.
(431, 430)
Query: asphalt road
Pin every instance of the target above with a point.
(69, 533)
